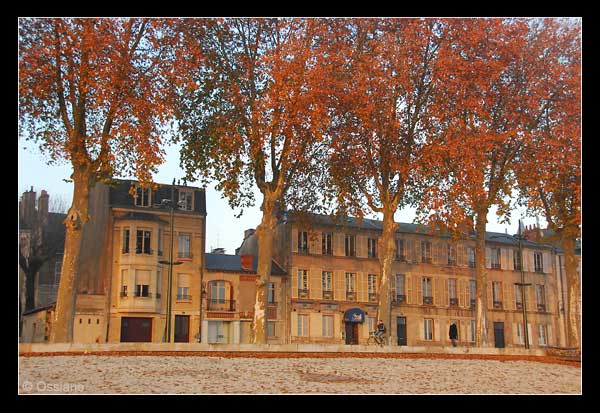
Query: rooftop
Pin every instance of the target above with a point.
(232, 263)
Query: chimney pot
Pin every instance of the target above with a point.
(246, 262)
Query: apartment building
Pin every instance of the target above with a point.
(334, 288)
(229, 294)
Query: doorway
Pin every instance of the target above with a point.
(401, 330)
(498, 334)
(136, 329)
(351, 333)
(182, 329)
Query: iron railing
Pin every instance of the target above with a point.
(327, 294)
(453, 302)
(427, 300)
(303, 293)
(216, 304)
(350, 295)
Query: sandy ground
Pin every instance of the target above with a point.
(95, 374)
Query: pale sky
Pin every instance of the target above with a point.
(223, 229)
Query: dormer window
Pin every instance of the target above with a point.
(142, 196)
(185, 200)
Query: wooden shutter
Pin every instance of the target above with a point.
(362, 290)
(392, 285)
(437, 333)
(529, 334)
(416, 251)
(339, 285)
(530, 261)
(338, 244)
(511, 259)
(446, 300)
(294, 239)
(315, 242)
(294, 284)
(460, 291)
(549, 340)
(422, 329)
(488, 258)
(435, 290)
(461, 256)
(408, 285)
(444, 253)
(315, 283)
(490, 294)
(503, 259)
(435, 252)
(506, 303)
(419, 290)
(294, 326)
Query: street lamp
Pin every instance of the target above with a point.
(523, 284)
(171, 204)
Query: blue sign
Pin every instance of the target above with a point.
(354, 315)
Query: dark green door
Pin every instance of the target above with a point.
(401, 330)
(498, 334)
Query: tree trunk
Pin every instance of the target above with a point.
(264, 234)
(30, 289)
(386, 258)
(481, 307)
(64, 315)
(573, 292)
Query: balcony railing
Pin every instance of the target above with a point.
(303, 250)
(453, 302)
(184, 255)
(519, 306)
(123, 293)
(471, 264)
(141, 295)
(303, 293)
(184, 297)
(498, 305)
(373, 297)
(541, 308)
(148, 251)
(517, 266)
(272, 303)
(495, 265)
(216, 304)
(401, 257)
(350, 295)
(327, 295)
(472, 304)
(426, 260)
(451, 261)
(399, 299)
(427, 300)
(539, 270)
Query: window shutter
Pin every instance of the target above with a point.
(437, 333)
(362, 287)
(420, 290)
(315, 242)
(339, 285)
(315, 283)
(546, 262)
(416, 251)
(294, 239)
(504, 258)
(529, 334)
(507, 304)
(515, 337)
(461, 289)
(511, 259)
(461, 255)
(490, 295)
(488, 258)
(393, 286)
(446, 300)
(408, 280)
(549, 341)
(294, 284)
(444, 254)
(435, 253)
(294, 324)
(422, 329)
(361, 246)
(530, 261)
(338, 244)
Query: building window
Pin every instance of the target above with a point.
(517, 260)
(426, 252)
(472, 338)
(451, 255)
(160, 242)
(428, 329)
(303, 325)
(326, 240)
(303, 283)
(538, 262)
(183, 287)
(519, 297)
(471, 256)
(326, 285)
(350, 245)
(372, 286)
(472, 293)
(520, 335)
(142, 244)
(540, 294)
(400, 250)
(270, 328)
(126, 234)
(185, 200)
(302, 242)
(270, 293)
(453, 299)
(371, 323)
(327, 324)
(218, 293)
(350, 291)
(497, 294)
(400, 294)
(218, 331)
(372, 247)
(124, 282)
(142, 283)
(142, 196)
(183, 245)
(426, 287)
(542, 334)
(495, 258)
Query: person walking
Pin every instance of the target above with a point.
(453, 333)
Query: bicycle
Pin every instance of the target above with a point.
(373, 339)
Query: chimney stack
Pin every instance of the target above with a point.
(43, 208)
(249, 232)
(28, 208)
(246, 262)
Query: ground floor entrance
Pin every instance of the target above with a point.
(136, 329)
(498, 334)
(351, 333)
(401, 330)
(182, 328)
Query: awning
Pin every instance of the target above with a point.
(354, 315)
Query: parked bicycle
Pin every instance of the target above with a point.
(374, 339)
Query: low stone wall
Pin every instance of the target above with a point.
(299, 348)
(566, 353)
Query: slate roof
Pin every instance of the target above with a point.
(232, 263)
(140, 216)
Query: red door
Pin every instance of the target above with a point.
(136, 329)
